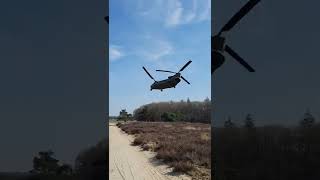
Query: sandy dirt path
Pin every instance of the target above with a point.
(128, 162)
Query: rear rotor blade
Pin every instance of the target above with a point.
(238, 58)
(166, 71)
(187, 64)
(185, 79)
(239, 15)
(148, 73)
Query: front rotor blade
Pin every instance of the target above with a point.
(240, 14)
(148, 73)
(185, 66)
(166, 71)
(185, 79)
(238, 58)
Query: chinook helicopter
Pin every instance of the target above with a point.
(171, 82)
(218, 41)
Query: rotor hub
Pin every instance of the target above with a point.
(217, 43)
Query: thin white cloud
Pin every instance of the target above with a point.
(176, 12)
(206, 12)
(151, 48)
(144, 13)
(157, 50)
(190, 17)
(115, 53)
(193, 14)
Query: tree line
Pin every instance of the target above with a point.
(187, 111)
(45, 163)
(308, 120)
(247, 151)
(90, 163)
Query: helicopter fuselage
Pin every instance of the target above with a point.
(171, 82)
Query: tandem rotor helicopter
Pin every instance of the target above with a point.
(171, 82)
(218, 41)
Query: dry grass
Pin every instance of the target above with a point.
(184, 146)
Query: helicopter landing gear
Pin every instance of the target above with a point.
(161, 89)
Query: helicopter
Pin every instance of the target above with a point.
(218, 41)
(171, 82)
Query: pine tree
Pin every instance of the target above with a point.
(141, 114)
(228, 123)
(188, 101)
(45, 163)
(308, 120)
(249, 122)
(207, 100)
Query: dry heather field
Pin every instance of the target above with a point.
(184, 146)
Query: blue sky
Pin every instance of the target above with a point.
(157, 34)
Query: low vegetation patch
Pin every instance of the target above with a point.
(184, 146)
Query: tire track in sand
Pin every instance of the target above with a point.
(128, 162)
